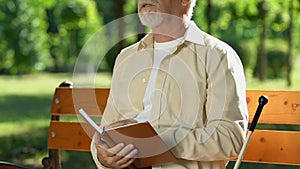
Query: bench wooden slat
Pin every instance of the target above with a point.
(277, 147)
(69, 136)
(67, 100)
(283, 106)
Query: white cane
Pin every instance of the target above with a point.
(262, 101)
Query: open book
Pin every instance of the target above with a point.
(152, 149)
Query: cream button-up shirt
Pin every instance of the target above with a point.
(199, 108)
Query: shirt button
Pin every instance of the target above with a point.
(144, 80)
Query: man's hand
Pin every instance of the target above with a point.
(119, 156)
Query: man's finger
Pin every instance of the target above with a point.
(127, 159)
(127, 163)
(115, 150)
(123, 155)
(125, 151)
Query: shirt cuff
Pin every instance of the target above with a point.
(94, 155)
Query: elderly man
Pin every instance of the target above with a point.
(187, 84)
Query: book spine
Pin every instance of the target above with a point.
(107, 139)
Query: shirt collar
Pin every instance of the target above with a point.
(193, 34)
(146, 42)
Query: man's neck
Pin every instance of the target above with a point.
(169, 31)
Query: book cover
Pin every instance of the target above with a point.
(152, 149)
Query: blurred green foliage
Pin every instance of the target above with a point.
(48, 35)
(238, 23)
(41, 35)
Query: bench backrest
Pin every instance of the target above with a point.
(266, 145)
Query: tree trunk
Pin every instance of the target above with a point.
(290, 44)
(113, 10)
(209, 15)
(121, 23)
(52, 31)
(261, 62)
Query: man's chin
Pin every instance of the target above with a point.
(151, 20)
(150, 24)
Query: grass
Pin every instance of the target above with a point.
(275, 84)
(25, 102)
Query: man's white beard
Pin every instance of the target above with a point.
(151, 19)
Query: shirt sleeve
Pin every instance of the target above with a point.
(110, 115)
(94, 155)
(226, 111)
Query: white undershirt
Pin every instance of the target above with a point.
(161, 50)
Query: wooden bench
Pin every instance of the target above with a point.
(266, 145)
(8, 165)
